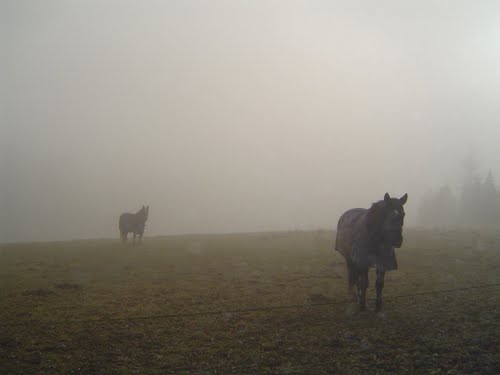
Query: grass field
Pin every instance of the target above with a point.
(95, 307)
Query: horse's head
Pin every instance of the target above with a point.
(385, 220)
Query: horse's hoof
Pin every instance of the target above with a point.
(381, 315)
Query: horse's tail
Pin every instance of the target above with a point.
(339, 228)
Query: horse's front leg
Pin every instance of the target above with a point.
(351, 280)
(379, 285)
(362, 286)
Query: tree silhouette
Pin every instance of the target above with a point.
(477, 204)
(490, 202)
(470, 200)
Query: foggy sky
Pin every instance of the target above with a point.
(229, 116)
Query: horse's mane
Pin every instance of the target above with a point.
(374, 217)
(142, 213)
(378, 204)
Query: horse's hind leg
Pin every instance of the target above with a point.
(379, 285)
(133, 243)
(123, 237)
(351, 278)
(362, 284)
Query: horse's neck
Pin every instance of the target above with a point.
(141, 215)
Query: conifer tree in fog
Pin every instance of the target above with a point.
(490, 201)
(478, 202)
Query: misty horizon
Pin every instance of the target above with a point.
(237, 117)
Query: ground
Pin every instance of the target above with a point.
(174, 306)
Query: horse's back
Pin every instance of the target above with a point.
(350, 217)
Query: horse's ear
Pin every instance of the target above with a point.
(374, 218)
(387, 198)
(403, 199)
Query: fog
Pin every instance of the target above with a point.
(229, 116)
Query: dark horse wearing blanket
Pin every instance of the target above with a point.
(133, 223)
(367, 238)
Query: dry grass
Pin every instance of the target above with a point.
(449, 333)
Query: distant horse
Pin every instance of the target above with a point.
(133, 223)
(367, 238)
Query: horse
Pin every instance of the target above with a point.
(133, 223)
(367, 238)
